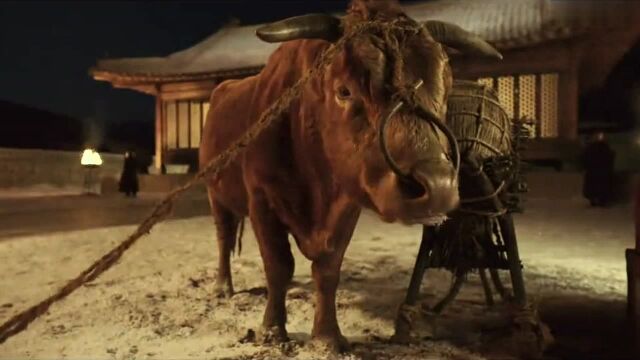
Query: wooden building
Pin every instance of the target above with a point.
(554, 51)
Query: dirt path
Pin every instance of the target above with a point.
(23, 216)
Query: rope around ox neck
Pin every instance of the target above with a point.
(22, 320)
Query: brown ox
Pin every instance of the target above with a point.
(311, 173)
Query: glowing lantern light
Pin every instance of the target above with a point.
(91, 161)
(90, 157)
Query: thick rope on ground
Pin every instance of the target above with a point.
(22, 320)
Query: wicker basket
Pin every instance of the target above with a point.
(478, 121)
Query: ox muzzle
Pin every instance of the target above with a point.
(437, 177)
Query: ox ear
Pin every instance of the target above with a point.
(456, 37)
(311, 26)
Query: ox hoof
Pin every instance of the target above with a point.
(330, 344)
(402, 334)
(272, 335)
(402, 337)
(407, 316)
(223, 291)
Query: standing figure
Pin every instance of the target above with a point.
(129, 177)
(598, 160)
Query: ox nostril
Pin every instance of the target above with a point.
(437, 182)
(411, 188)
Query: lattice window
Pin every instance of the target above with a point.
(171, 124)
(196, 122)
(549, 105)
(505, 94)
(527, 96)
(530, 96)
(183, 122)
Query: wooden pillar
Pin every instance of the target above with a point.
(569, 95)
(158, 134)
(568, 114)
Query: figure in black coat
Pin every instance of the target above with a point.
(598, 160)
(129, 177)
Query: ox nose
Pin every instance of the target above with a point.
(439, 185)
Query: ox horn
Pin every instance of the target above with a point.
(311, 26)
(456, 37)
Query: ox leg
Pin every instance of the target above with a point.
(226, 226)
(326, 275)
(325, 270)
(278, 266)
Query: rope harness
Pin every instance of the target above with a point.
(394, 32)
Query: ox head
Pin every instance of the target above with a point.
(397, 159)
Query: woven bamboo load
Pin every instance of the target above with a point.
(478, 121)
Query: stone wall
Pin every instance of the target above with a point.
(21, 168)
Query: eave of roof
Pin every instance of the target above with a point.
(124, 78)
(234, 51)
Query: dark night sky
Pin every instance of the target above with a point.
(47, 47)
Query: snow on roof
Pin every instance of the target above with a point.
(505, 23)
(231, 48)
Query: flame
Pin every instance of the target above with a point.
(91, 157)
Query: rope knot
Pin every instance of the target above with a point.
(409, 94)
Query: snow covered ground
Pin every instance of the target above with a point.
(157, 302)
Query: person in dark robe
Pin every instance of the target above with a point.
(598, 161)
(129, 176)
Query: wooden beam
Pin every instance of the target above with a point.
(149, 89)
(188, 85)
(196, 90)
(552, 57)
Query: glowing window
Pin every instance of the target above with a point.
(530, 96)
(171, 121)
(505, 93)
(196, 123)
(183, 124)
(549, 105)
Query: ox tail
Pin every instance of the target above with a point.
(239, 233)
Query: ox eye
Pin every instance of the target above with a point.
(343, 93)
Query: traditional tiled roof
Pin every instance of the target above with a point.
(236, 51)
(232, 51)
(521, 23)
